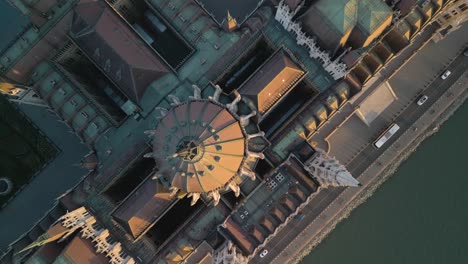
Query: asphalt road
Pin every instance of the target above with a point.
(411, 114)
(366, 157)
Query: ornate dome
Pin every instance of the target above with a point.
(200, 146)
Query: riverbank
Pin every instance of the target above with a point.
(439, 112)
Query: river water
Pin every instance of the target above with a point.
(420, 215)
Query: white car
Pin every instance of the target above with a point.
(263, 253)
(445, 75)
(422, 100)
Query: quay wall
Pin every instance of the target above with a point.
(386, 165)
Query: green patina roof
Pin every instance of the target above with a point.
(345, 14)
(341, 13)
(371, 14)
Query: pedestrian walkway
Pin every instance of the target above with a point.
(368, 177)
(61, 174)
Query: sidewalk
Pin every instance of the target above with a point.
(39, 195)
(347, 200)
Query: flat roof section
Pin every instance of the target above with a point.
(376, 103)
(239, 9)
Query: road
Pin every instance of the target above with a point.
(368, 155)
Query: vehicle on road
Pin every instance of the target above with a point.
(422, 100)
(386, 135)
(445, 75)
(263, 253)
(299, 217)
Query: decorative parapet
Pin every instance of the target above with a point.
(328, 171)
(284, 16)
(90, 229)
(228, 253)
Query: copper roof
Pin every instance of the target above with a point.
(296, 169)
(278, 214)
(239, 236)
(271, 81)
(257, 234)
(267, 224)
(143, 207)
(336, 22)
(115, 48)
(293, 4)
(287, 203)
(199, 146)
(298, 193)
(202, 254)
(47, 253)
(81, 250)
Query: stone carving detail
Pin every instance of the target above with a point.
(193, 150)
(233, 106)
(175, 99)
(284, 16)
(254, 154)
(196, 92)
(259, 134)
(216, 95)
(216, 197)
(228, 253)
(245, 119)
(234, 187)
(195, 197)
(90, 229)
(174, 191)
(328, 171)
(249, 173)
(162, 111)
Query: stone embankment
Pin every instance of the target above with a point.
(374, 176)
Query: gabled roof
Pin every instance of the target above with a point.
(238, 236)
(334, 21)
(81, 250)
(372, 14)
(142, 207)
(271, 81)
(115, 48)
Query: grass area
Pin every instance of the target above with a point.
(24, 150)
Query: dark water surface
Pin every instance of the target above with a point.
(420, 215)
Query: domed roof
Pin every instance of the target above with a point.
(199, 146)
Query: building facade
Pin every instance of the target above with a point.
(197, 134)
